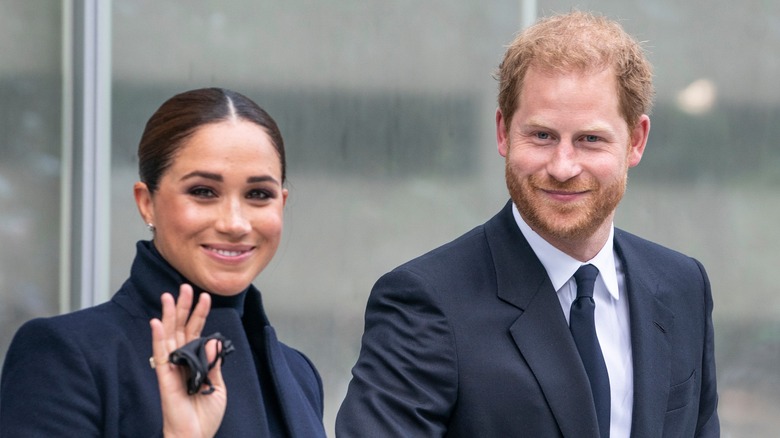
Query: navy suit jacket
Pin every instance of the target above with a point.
(470, 340)
(87, 373)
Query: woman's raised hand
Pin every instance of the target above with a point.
(184, 415)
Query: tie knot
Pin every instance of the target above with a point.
(585, 278)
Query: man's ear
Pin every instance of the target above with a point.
(639, 136)
(502, 139)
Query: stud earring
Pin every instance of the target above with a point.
(150, 226)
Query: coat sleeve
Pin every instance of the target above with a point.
(405, 379)
(708, 424)
(47, 387)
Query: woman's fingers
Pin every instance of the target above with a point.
(198, 318)
(159, 343)
(168, 320)
(183, 306)
(180, 324)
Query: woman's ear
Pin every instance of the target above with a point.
(143, 200)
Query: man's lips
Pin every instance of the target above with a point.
(565, 195)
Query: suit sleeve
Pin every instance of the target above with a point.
(405, 379)
(47, 388)
(708, 424)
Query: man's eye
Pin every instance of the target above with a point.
(543, 135)
(591, 138)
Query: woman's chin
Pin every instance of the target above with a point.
(226, 288)
(227, 292)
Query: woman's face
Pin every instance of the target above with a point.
(218, 210)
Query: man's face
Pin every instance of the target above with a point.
(568, 150)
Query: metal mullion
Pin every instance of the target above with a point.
(90, 249)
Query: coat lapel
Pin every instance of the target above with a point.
(298, 419)
(245, 407)
(651, 320)
(540, 332)
(300, 422)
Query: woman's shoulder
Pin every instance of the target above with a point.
(69, 370)
(103, 316)
(297, 360)
(94, 329)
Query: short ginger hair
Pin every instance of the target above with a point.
(578, 41)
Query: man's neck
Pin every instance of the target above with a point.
(581, 249)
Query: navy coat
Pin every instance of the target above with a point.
(470, 340)
(87, 373)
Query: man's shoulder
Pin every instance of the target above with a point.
(640, 253)
(453, 253)
(469, 247)
(627, 241)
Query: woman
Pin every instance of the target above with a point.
(212, 169)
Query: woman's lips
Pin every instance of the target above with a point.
(229, 252)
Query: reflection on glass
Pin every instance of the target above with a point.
(30, 153)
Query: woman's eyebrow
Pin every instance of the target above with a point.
(263, 178)
(219, 178)
(203, 174)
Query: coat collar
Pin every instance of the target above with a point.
(151, 275)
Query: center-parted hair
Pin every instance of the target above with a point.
(180, 116)
(578, 42)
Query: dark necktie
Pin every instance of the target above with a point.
(583, 329)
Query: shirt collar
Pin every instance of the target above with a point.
(561, 267)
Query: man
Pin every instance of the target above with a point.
(493, 334)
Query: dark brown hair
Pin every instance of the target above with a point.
(181, 115)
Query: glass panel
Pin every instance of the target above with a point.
(30, 160)
(387, 109)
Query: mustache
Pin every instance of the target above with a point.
(572, 185)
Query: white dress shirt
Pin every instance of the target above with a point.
(611, 315)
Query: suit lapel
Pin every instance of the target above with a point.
(540, 332)
(651, 320)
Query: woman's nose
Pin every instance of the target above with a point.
(233, 219)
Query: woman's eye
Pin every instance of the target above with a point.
(260, 194)
(202, 192)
